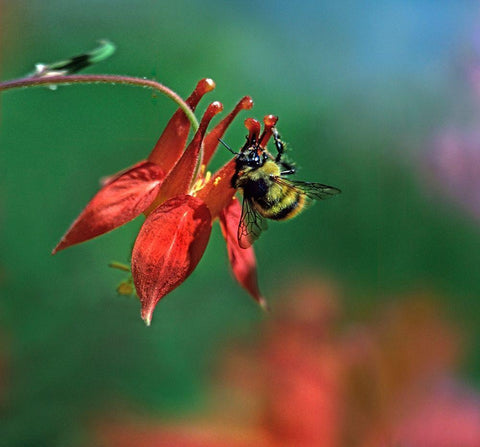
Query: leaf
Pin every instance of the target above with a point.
(242, 260)
(118, 202)
(169, 246)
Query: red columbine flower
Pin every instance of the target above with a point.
(180, 199)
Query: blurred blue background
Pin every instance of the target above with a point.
(361, 88)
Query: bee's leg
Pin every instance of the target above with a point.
(279, 144)
(289, 168)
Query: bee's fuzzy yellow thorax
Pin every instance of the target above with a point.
(266, 170)
(271, 168)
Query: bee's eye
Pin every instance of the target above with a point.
(252, 158)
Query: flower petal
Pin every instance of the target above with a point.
(253, 127)
(118, 202)
(171, 143)
(269, 122)
(218, 191)
(181, 176)
(242, 260)
(110, 178)
(169, 246)
(212, 139)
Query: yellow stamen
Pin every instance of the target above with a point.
(200, 183)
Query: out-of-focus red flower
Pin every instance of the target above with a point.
(313, 380)
(180, 199)
(395, 362)
(193, 434)
(303, 371)
(443, 414)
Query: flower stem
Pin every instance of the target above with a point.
(120, 266)
(101, 79)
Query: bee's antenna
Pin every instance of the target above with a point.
(228, 147)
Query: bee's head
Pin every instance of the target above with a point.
(252, 154)
(252, 157)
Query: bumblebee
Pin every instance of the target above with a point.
(267, 194)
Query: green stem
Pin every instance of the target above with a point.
(101, 79)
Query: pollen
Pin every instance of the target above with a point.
(217, 181)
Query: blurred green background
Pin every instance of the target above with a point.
(361, 89)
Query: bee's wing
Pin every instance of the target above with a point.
(251, 224)
(315, 191)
